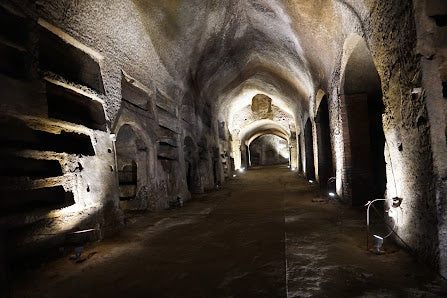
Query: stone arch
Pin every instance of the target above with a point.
(146, 136)
(325, 161)
(268, 149)
(364, 169)
(309, 150)
(240, 145)
(318, 98)
(133, 167)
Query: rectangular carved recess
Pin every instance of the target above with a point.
(166, 151)
(72, 106)
(167, 144)
(16, 135)
(14, 59)
(437, 10)
(13, 27)
(63, 55)
(167, 120)
(165, 133)
(135, 93)
(166, 103)
(440, 20)
(35, 199)
(14, 166)
(166, 112)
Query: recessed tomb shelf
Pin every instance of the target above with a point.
(167, 152)
(48, 198)
(444, 89)
(14, 166)
(437, 10)
(167, 120)
(63, 55)
(440, 20)
(14, 61)
(13, 27)
(135, 93)
(15, 134)
(166, 103)
(72, 105)
(169, 142)
(19, 96)
(165, 133)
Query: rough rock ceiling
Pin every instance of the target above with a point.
(231, 50)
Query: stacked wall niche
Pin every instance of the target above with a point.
(126, 152)
(51, 110)
(134, 145)
(168, 140)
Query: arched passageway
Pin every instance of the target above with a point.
(325, 161)
(248, 241)
(126, 151)
(268, 149)
(309, 150)
(220, 74)
(132, 159)
(364, 140)
(300, 153)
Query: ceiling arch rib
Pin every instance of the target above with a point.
(286, 94)
(260, 106)
(262, 126)
(291, 85)
(266, 132)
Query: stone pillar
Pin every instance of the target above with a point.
(293, 151)
(236, 148)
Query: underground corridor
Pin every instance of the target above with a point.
(267, 233)
(240, 148)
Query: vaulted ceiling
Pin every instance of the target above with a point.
(228, 51)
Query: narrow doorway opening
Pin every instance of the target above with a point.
(126, 151)
(364, 139)
(309, 148)
(325, 166)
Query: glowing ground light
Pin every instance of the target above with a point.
(332, 194)
(378, 242)
(311, 181)
(234, 175)
(84, 231)
(241, 170)
(293, 169)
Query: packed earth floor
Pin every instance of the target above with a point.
(267, 233)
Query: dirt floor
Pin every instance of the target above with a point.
(267, 233)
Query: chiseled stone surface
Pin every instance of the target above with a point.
(190, 79)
